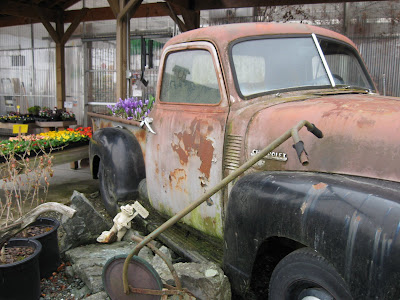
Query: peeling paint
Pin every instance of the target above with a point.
(194, 141)
(177, 180)
(320, 186)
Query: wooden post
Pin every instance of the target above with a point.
(121, 58)
(126, 10)
(60, 65)
(60, 38)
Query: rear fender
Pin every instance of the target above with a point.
(353, 222)
(119, 152)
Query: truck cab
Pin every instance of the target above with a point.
(328, 229)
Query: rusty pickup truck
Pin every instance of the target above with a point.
(328, 229)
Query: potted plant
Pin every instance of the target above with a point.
(25, 183)
(34, 110)
(67, 116)
(19, 270)
(131, 108)
(44, 114)
(44, 230)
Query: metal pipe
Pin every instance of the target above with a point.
(164, 258)
(280, 140)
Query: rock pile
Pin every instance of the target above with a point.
(78, 244)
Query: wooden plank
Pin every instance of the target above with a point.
(11, 125)
(60, 157)
(70, 155)
(55, 124)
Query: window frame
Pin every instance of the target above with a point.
(207, 46)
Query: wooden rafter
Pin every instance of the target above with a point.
(53, 33)
(174, 16)
(191, 18)
(114, 5)
(130, 7)
(74, 25)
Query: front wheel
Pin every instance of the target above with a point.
(306, 275)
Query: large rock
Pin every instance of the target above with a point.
(84, 227)
(205, 281)
(88, 261)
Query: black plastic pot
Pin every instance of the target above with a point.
(21, 280)
(49, 259)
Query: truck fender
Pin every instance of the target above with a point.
(352, 222)
(117, 160)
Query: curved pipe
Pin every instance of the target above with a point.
(291, 132)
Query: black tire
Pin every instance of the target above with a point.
(305, 273)
(107, 193)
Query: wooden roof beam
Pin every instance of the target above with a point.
(72, 27)
(27, 11)
(130, 7)
(174, 16)
(191, 18)
(52, 32)
(114, 5)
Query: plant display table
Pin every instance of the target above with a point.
(47, 126)
(44, 126)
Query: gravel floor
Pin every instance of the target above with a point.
(62, 286)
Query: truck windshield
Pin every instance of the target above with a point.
(267, 65)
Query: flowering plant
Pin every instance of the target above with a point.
(45, 140)
(17, 118)
(67, 115)
(45, 112)
(132, 108)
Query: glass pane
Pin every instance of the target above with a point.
(280, 63)
(344, 65)
(189, 77)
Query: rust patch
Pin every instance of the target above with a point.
(320, 186)
(178, 176)
(364, 122)
(104, 124)
(193, 141)
(141, 136)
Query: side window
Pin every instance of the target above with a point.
(189, 77)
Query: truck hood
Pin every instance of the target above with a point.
(361, 135)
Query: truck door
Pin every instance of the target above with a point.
(184, 157)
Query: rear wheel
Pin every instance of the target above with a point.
(306, 275)
(107, 190)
